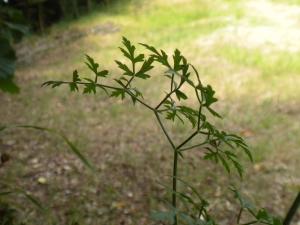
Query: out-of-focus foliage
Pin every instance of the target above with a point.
(42, 13)
(12, 29)
(37, 14)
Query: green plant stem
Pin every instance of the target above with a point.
(292, 211)
(239, 215)
(115, 88)
(249, 223)
(164, 99)
(133, 76)
(168, 95)
(174, 187)
(193, 146)
(164, 130)
(187, 140)
(175, 162)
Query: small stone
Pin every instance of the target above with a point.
(67, 168)
(130, 194)
(42, 180)
(11, 142)
(257, 167)
(34, 160)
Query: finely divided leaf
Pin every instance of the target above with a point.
(125, 68)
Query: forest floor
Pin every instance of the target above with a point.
(249, 51)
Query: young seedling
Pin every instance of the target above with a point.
(218, 146)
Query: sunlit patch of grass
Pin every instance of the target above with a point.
(269, 63)
(267, 72)
(290, 2)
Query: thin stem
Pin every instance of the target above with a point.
(252, 222)
(193, 146)
(133, 72)
(168, 95)
(83, 83)
(128, 92)
(164, 130)
(292, 211)
(199, 117)
(162, 110)
(200, 212)
(140, 101)
(174, 203)
(239, 215)
(202, 132)
(114, 88)
(172, 80)
(164, 99)
(132, 95)
(187, 140)
(175, 162)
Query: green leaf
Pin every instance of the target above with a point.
(159, 57)
(92, 64)
(33, 200)
(208, 94)
(151, 48)
(224, 162)
(147, 66)
(5, 193)
(168, 216)
(73, 148)
(73, 87)
(102, 73)
(171, 115)
(238, 167)
(129, 47)
(244, 202)
(247, 151)
(8, 85)
(189, 113)
(214, 113)
(89, 88)
(77, 152)
(17, 27)
(177, 57)
(262, 215)
(125, 68)
(277, 221)
(75, 76)
(139, 58)
(117, 93)
(180, 95)
(2, 127)
(7, 67)
(211, 155)
(7, 59)
(53, 84)
(135, 94)
(126, 54)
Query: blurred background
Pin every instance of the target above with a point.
(248, 50)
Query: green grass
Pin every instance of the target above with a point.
(269, 64)
(259, 97)
(290, 2)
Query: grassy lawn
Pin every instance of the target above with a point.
(257, 85)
